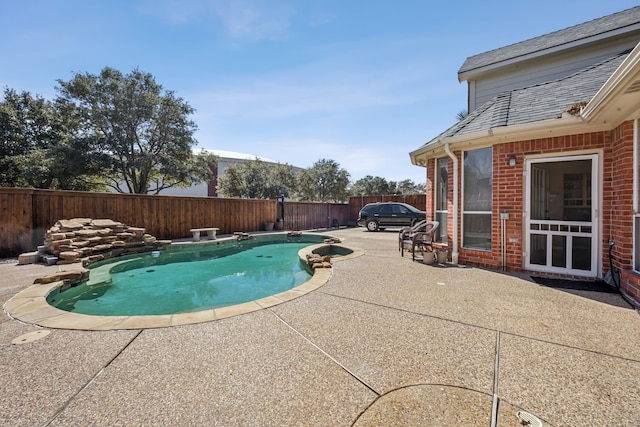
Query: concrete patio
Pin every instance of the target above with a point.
(386, 341)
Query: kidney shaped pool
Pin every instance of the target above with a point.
(189, 278)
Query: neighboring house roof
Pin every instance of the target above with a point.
(232, 155)
(227, 157)
(539, 102)
(607, 26)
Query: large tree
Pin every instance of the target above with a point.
(256, 179)
(40, 147)
(375, 186)
(407, 186)
(372, 186)
(325, 181)
(144, 130)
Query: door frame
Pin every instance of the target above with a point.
(595, 223)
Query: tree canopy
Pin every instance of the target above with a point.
(407, 186)
(325, 181)
(256, 179)
(375, 186)
(125, 132)
(40, 146)
(143, 131)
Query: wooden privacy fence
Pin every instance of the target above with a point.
(306, 216)
(357, 202)
(26, 214)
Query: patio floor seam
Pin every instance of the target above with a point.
(333, 359)
(91, 380)
(496, 378)
(629, 359)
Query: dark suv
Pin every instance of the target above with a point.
(377, 216)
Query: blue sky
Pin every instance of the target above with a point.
(360, 82)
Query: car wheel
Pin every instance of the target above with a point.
(372, 225)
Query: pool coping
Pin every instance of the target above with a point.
(30, 305)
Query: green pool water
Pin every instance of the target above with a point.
(188, 279)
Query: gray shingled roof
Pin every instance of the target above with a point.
(536, 103)
(578, 32)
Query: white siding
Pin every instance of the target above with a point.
(202, 189)
(536, 71)
(199, 190)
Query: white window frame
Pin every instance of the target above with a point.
(437, 200)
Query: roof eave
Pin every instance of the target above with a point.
(620, 90)
(471, 73)
(565, 125)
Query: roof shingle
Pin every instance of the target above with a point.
(536, 103)
(582, 31)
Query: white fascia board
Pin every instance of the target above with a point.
(625, 74)
(566, 125)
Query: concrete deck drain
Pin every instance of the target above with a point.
(31, 336)
(527, 419)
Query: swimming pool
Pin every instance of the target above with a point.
(189, 278)
(31, 306)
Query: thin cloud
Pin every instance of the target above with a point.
(253, 20)
(323, 87)
(241, 20)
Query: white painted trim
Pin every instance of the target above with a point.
(436, 194)
(456, 202)
(471, 96)
(615, 85)
(566, 125)
(596, 213)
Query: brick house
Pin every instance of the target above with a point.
(543, 175)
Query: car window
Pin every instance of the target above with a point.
(413, 209)
(385, 210)
(400, 210)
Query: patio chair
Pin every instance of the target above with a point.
(405, 232)
(420, 240)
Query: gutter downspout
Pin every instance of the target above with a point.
(456, 197)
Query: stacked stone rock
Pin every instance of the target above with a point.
(318, 261)
(89, 240)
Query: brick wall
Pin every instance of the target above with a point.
(618, 216)
(616, 211)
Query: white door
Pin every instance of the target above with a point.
(561, 215)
